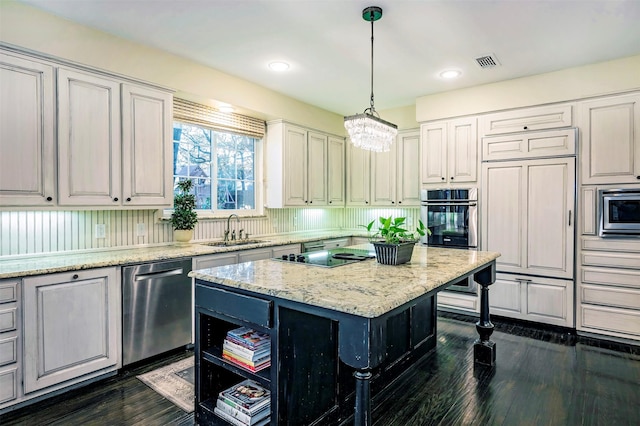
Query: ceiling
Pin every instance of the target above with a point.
(327, 43)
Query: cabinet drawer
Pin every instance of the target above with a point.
(631, 245)
(204, 262)
(610, 319)
(234, 305)
(538, 118)
(7, 319)
(529, 145)
(8, 350)
(616, 277)
(8, 385)
(616, 260)
(610, 296)
(8, 292)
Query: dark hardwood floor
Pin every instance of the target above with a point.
(542, 377)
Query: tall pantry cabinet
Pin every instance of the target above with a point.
(528, 215)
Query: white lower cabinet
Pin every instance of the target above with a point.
(545, 300)
(71, 327)
(10, 342)
(608, 296)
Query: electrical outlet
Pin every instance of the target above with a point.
(101, 230)
(141, 230)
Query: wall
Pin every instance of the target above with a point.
(34, 232)
(565, 85)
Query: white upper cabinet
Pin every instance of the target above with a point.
(27, 138)
(449, 152)
(610, 140)
(526, 119)
(88, 139)
(336, 172)
(550, 143)
(113, 137)
(147, 157)
(298, 166)
(386, 179)
(358, 176)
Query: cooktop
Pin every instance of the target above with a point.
(328, 258)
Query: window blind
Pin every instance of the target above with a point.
(203, 115)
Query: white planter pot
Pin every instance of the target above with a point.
(182, 236)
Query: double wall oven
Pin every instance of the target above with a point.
(452, 217)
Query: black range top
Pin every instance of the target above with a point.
(328, 258)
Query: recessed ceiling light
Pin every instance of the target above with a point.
(278, 66)
(450, 74)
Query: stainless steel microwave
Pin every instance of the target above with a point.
(619, 212)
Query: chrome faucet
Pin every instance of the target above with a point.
(226, 232)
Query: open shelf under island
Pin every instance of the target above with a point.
(339, 336)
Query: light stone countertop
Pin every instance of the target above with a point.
(366, 288)
(47, 263)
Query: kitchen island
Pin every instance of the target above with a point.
(327, 326)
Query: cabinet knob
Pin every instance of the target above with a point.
(525, 127)
(51, 199)
(366, 202)
(442, 177)
(393, 202)
(311, 202)
(115, 199)
(399, 202)
(637, 177)
(332, 201)
(128, 198)
(451, 177)
(75, 276)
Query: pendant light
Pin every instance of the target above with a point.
(367, 130)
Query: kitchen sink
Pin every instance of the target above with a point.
(233, 243)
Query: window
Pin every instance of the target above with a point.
(221, 164)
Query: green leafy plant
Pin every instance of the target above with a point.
(392, 230)
(184, 202)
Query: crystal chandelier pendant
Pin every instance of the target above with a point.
(367, 130)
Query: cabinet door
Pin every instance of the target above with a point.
(528, 215)
(383, 178)
(316, 169)
(611, 140)
(295, 172)
(88, 139)
(408, 170)
(147, 155)
(336, 172)
(462, 151)
(27, 137)
(434, 152)
(358, 176)
(71, 325)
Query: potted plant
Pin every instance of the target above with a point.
(393, 243)
(184, 217)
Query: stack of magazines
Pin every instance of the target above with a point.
(247, 348)
(245, 404)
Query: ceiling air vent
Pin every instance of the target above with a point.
(488, 61)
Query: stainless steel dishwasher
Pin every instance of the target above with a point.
(156, 308)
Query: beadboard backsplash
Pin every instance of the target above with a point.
(34, 232)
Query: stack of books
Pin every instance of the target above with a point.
(247, 348)
(245, 404)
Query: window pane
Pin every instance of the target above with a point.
(233, 185)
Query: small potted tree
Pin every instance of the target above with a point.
(392, 242)
(184, 217)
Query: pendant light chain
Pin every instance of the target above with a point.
(372, 20)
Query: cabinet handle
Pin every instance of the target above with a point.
(128, 198)
(569, 217)
(523, 280)
(50, 199)
(115, 199)
(75, 276)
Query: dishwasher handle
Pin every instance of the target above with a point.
(162, 274)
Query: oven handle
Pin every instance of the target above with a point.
(464, 203)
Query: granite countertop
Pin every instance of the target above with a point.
(47, 263)
(366, 288)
